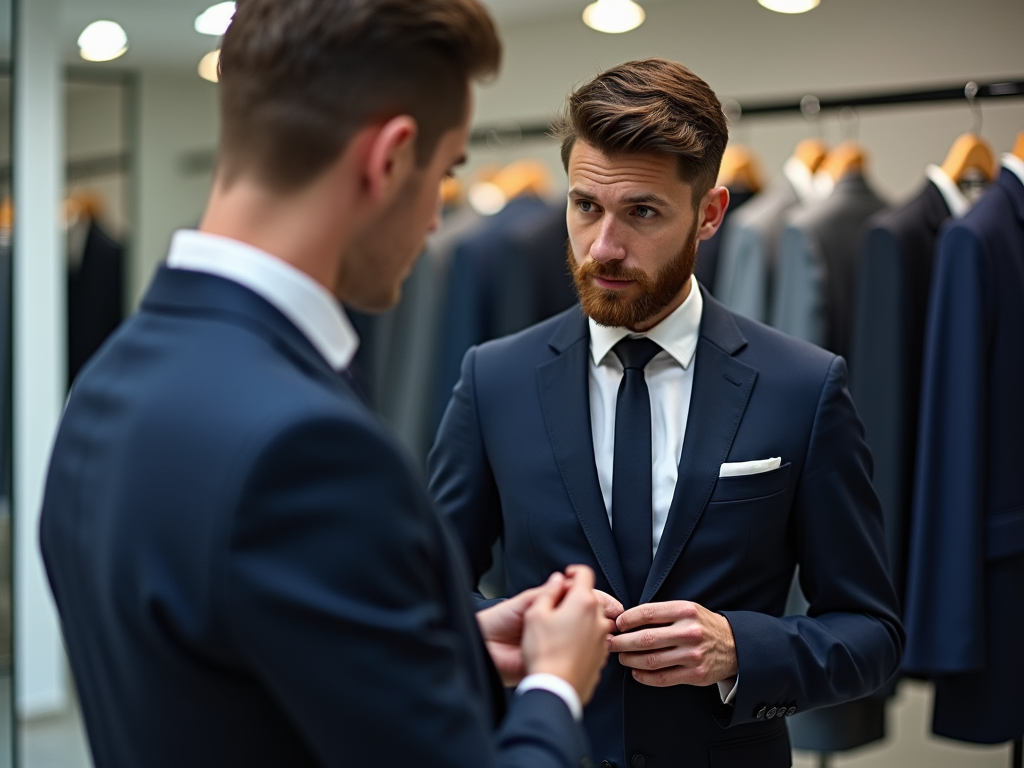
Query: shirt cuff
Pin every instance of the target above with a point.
(556, 685)
(727, 689)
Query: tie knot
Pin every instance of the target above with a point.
(636, 353)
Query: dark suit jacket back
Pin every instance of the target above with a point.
(246, 569)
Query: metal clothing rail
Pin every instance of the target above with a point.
(511, 133)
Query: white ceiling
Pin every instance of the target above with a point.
(161, 32)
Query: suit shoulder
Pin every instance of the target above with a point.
(530, 343)
(771, 350)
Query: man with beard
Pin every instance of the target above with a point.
(692, 457)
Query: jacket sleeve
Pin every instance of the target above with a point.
(945, 580)
(850, 642)
(343, 601)
(461, 482)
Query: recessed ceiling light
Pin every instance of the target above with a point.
(216, 19)
(789, 6)
(613, 16)
(209, 66)
(102, 41)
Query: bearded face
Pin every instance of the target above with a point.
(646, 296)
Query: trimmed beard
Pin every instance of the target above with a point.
(648, 296)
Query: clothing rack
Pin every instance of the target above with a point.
(508, 134)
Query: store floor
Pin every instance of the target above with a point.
(58, 741)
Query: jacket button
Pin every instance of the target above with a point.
(771, 713)
(606, 764)
(791, 712)
(638, 760)
(761, 713)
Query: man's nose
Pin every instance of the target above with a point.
(607, 246)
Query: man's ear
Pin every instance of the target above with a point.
(712, 212)
(391, 157)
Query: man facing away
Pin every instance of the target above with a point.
(692, 457)
(247, 571)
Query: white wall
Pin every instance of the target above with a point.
(747, 52)
(177, 119)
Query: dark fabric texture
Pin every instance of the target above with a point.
(248, 572)
(632, 495)
(965, 578)
(95, 297)
(515, 457)
(819, 258)
(886, 350)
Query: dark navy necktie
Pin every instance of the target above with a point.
(632, 467)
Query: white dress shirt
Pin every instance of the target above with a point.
(1014, 165)
(320, 318)
(956, 200)
(669, 378)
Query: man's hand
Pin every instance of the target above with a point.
(568, 638)
(502, 628)
(676, 643)
(610, 607)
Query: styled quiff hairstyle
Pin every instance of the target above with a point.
(649, 106)
(299, 78)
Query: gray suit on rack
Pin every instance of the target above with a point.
(818, 259)
(747, 263)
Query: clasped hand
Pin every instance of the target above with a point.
(558, 628)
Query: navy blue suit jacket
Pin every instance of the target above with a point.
(248, 572)
(965, 586)
(515, 458)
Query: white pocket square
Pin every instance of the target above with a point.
(740, 468)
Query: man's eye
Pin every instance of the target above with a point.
(644, 212)
(585, 206)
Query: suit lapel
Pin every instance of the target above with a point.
(721, 390)
(565, 400)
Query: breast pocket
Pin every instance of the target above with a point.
(732, 490)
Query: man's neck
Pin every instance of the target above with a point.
(289, 227)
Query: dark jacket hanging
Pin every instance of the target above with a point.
(95, 297)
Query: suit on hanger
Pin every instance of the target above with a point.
(95, 297)
(886, 349)
(247, 570)
(965, 581)
(515, 457)
(745, 277)
(818, 259)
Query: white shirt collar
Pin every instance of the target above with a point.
(676, 334)
(802, 180)
(1014, 165)
(300, 298)
(956, 200)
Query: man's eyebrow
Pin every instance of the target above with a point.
(582, 192)
(640, 198)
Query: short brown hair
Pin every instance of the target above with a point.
(298, 78)
(653, 105)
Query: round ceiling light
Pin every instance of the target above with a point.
(102, 41)
(613, 16)
(216, 19)
(789, 6)
(209, 66)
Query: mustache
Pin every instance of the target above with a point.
(611, 270)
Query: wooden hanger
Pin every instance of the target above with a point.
(524, 177)
(848, 157)
(969, 152)
(740, 170)
(83, 204)
(452, 192)
(1018, 147)
(811, 152)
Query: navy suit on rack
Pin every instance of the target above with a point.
(515, 458)
(248, 572)
(965, 581)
